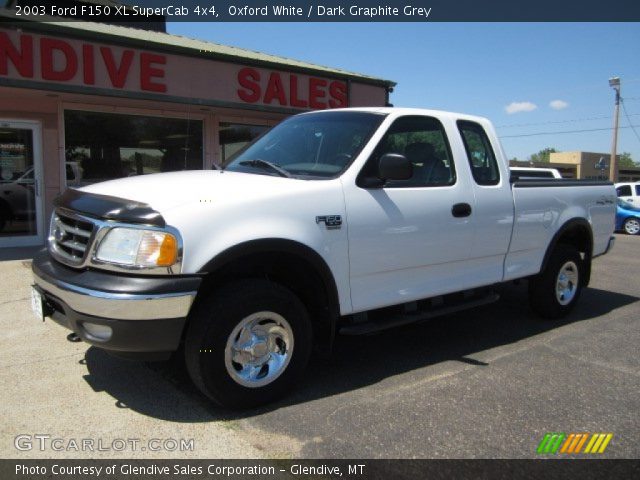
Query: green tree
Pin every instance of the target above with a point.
(543, 155)
(625, 160)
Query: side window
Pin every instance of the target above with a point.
(482, 160)
(637, 189)
(624, 191)
(423, 141)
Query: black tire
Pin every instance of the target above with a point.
(211, 323)
(630, 226)
(543, 295)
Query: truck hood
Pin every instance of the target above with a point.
(166, 191)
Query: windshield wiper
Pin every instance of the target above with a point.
(258, 162)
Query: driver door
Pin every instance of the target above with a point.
(410, 239)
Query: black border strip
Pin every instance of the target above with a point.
(551, 467)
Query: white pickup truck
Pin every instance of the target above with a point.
(344, 221)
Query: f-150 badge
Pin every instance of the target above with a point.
(332, 222)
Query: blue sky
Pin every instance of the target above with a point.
(477, 68)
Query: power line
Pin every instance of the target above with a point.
(601, 117)
(565, 131)
(624, 109)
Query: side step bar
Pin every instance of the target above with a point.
(399, 320)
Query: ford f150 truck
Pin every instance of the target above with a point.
(343, 221)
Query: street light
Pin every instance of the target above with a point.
(614, 82)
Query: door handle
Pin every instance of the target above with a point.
(461, 210)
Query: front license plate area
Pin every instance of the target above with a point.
(37, 304)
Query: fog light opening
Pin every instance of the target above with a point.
(98, 332)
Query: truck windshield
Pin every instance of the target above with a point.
(314, 145)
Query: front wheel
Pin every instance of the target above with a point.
(248, 343)
(554, 292)
(631, 226)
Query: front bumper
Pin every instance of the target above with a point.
(138, 317)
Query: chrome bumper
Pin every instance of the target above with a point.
(123, 306)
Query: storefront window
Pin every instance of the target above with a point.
(104, 146)
(17, 183)
(235, 136)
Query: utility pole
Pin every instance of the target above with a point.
(614, 83)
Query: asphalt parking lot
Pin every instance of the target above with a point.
(487, 383)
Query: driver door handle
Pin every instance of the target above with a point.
(461, 210)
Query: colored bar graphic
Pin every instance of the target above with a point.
(556, 445)
(543, 443)
(554, 442)
(594, 437)
(551, 443)
(568, 442)
(579, 446)
(605, 442)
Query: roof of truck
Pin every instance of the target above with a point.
(408, 111)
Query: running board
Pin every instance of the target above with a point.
(399, 320)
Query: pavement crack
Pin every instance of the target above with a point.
(7, 302)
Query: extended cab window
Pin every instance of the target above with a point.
(482, 160)
(423, 141)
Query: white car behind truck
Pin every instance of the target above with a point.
(344, 221)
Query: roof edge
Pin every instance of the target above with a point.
(53, 25)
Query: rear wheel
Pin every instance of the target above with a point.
(248, 343)
(554, 292)
(632, 226)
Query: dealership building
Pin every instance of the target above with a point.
(86, 102)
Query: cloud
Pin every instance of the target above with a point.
(515, 107)
(558, 104)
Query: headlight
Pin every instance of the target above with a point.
(138, 248)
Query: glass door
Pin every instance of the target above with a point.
(21, 186)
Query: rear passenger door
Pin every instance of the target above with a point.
(410, 239)
(494, 212)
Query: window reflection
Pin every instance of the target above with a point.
(235, 136)
(104, 146)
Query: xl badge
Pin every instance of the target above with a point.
(332, 222)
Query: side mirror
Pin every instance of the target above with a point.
(393, 166)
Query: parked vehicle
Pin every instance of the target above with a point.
(627, 218)
(527, 173)
(629, 192)
(343, 221)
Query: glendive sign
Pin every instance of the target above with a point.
(39, 58)
(22, 57)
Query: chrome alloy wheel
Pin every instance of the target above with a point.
(632, 226)
(567, 283)
(259, 349)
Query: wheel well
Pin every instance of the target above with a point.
(576, 234)
(579, 237)
(297, 272)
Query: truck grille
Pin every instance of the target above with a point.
(70, 238)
